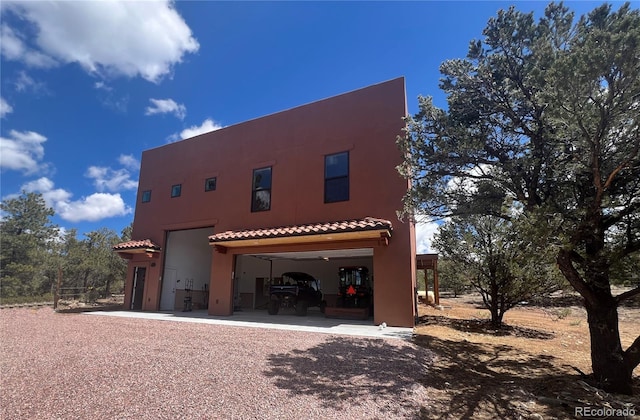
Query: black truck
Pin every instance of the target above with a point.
(298, 290)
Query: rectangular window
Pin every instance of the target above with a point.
(336, 177)
(146, 196)
(176, 190)
(210, 184)
(261, 190)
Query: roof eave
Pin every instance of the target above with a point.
(371, 234)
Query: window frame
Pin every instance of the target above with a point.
(146, 196)
(346, 176)
(255, 190)
(215, 184)
(178, 188)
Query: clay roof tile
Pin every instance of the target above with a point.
(136, 244)
(368, 223)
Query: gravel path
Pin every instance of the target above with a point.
(72, 366)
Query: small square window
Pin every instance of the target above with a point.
(176, 190)
(146, 196)
(336, 177)
(210, 184)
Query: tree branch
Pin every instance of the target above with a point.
(627, 295)
(632, 354)
(612, 219)
(623, 165)
(565, 263)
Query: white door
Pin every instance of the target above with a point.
(168, 297)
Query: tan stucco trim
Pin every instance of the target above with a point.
(305, 239)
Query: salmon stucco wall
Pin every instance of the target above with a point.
(365, 123)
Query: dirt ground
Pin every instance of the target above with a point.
(533, 368)
(530, 369)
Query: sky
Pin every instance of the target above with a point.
(87, 86)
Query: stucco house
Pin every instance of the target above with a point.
(311, 189)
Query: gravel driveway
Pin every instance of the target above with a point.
(72, 366)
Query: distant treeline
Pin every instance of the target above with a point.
(34, 253)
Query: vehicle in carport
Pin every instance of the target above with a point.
(298, 290)
(354, 289)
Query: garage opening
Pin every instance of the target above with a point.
(187, 269)
(255, 273)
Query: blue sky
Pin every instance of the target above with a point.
(87, 86)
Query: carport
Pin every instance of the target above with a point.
(254, 273)
(429, 264)
(255, 258)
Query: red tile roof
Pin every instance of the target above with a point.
(131, 245)
(358, 225)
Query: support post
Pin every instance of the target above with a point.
(436, 283)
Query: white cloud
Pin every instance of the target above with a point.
(425, 230)
(469, 185)
(150, 36)
(22, 151)
(108, 179)
(95, 207)
(102, 86)
(25, 82)
(164, 106)
(62, 233)
(129, 162)
(92, 208)
(195, 130)
(14, 48)
(114, 102)
(111, 99)
(52, 196)
(5, 108)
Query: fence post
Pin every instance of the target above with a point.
(56, 295)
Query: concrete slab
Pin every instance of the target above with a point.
(314, 322)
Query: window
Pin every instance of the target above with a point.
(261, 190)
(146, 196)
(336, 177)
(210, 184)
(176, 190)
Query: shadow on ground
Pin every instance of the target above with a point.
(430, 377)
(495, 381)
(573, 299)
(347, 370)
(62, 309)
(436, 378)
(483, 326)
(501, 381)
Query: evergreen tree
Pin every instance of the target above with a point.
(496, 262)
(546, 114)
(26, 236)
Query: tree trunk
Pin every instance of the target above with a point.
(496, 317)
(496, 311)
(610, 369)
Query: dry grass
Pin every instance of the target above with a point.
(525, 370)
